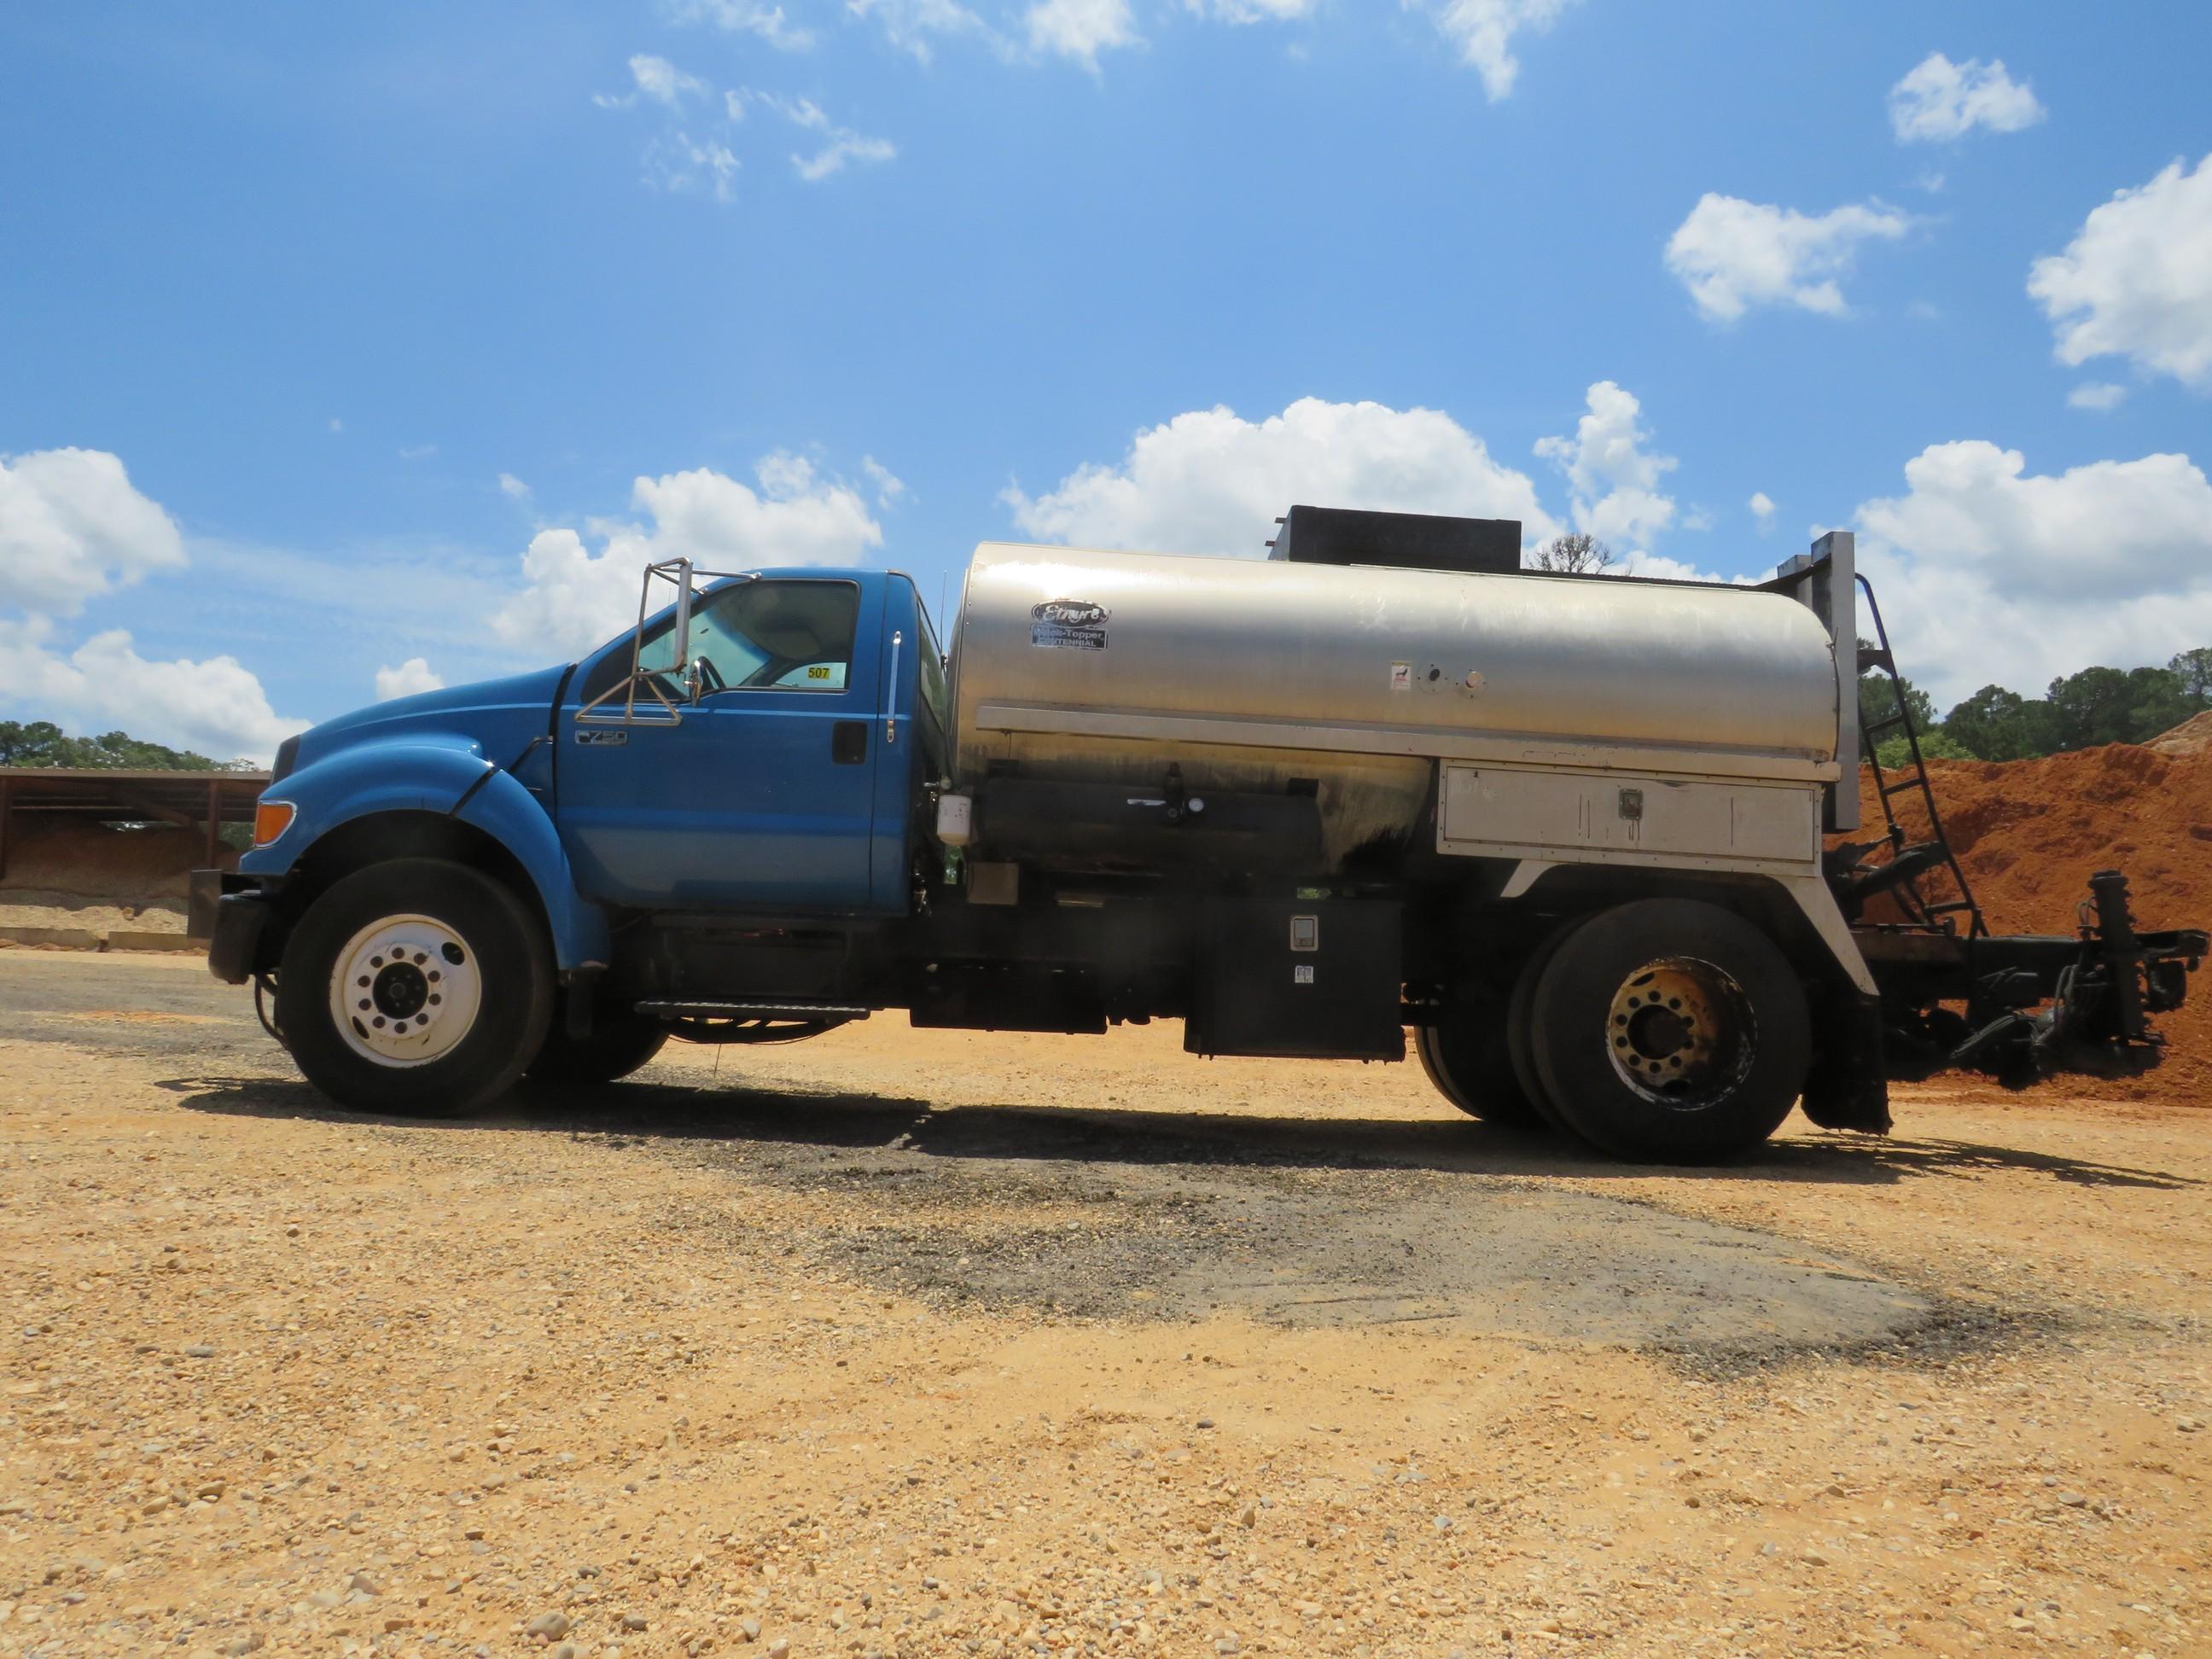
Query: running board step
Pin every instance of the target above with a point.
(667, 1010)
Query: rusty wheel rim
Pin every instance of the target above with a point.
(1679, 1032)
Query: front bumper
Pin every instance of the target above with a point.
(230, 911)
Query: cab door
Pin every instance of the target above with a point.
(757, 794)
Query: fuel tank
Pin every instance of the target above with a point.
(1349, 683)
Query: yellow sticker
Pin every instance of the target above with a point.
(819, 671)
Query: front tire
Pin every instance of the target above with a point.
(1670, 1031)
(416, 988)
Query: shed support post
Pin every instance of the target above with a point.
(214, 823)
(6, 787)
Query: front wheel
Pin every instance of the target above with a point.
(1671, 1031)
(417, 986)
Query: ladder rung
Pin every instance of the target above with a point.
(1918, 782)
(1885, 723)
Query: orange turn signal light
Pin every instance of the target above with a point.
(271, 818)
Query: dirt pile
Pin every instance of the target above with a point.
(72, 873)
(2192, 737)
(2029, 834)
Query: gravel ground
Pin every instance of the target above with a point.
(908, 1343)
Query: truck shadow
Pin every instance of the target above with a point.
(648, 1112)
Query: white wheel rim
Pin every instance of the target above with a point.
(404, 991)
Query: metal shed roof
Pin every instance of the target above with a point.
(194, 800)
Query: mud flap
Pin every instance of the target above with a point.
(1845, 1087)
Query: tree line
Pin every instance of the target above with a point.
(41, 743)
(2076, 711)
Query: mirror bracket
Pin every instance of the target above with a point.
(618, 705)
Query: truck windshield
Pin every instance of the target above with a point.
(781, 635)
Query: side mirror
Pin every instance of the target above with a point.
(619, 703)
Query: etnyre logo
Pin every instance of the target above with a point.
(1068, 613)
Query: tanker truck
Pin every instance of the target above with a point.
(1595, 841)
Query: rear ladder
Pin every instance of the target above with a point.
(1901, 872)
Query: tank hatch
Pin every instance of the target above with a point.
(1409, 541)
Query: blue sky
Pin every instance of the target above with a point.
(342, 340)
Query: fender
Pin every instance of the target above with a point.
(1807, 893)
(435, 772)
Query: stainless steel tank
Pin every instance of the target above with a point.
(1248, 675)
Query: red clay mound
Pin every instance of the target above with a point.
(2029, 834)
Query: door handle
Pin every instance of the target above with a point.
(848, 742)
(891, 691)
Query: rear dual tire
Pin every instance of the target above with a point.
(1465, 1055)
(1668, 1031)
(1665, 1031)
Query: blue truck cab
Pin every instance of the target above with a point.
(443, 881)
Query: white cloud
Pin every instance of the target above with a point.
(1940, 100)
(843, 145)
(1210, 482)
(909, 24)
(1483, 30)
(1659, 568)
(799, 112)
(2099, 395)
(744, 17)
(1252, 11)
(1762, 508)
(1989, 573)
(337, 425)
(1079, 28)
(677, 163)
(2137, 280)
(413, 676)
(889, 486)
(674, 161)
(73, 527)
(659, 80)
(576, 598)
(1614, 477)
(215, 706)
(1732, 254)
(512, 488)
(418, 451)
